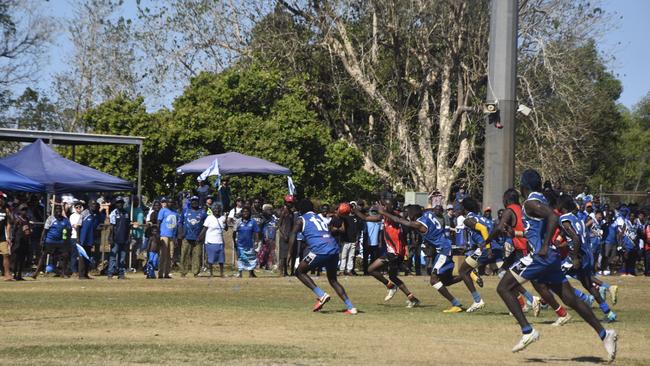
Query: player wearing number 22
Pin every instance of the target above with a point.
(323, 252)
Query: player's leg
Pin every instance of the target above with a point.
(375, 270)
(330, 267)
(604, 287)
(441, 277)
(393, 270)
(545, 293)
(507, 291)
(302, 274)
(585, 279)
(465, 271)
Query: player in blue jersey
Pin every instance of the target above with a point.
(323, 252)
(487, 252)
(544, 265)
(430, 225)
(580, 262)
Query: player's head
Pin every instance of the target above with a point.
(246, 213)
(468, 204)
(566, 203)
(390, 204)
(304, 206)
(58, 210)
(599, 215)
(511, 196)
(500, 213)
(530, 181)
(324, 209)
(413, 211)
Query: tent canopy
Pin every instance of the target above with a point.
(11, 180)
(60, 175)
(234, 163)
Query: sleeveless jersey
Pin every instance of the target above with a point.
(435, 235)
(317, 235)
(475, 235)
(579, 227)
(535, 227)
(521, 244)
(393, 237)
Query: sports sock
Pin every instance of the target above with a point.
(561, 311)
(455, 302)
(410, 296)
(527, 329)
(602, 334)
(319, 293)
(605, 285)
(582, 296)
(390, 285)
(476, 296)
(528, 296)
(521, 300)
(348, 303)
(604, 307)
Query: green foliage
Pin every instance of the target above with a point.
(251, 109)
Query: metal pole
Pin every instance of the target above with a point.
(502, 80)
(140, 171)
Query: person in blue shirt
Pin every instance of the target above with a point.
(168, 220)
(544, 265)
(323, 252)
(191, 249)
(86, 237)
(55, 240)
(479, 228)
(247, 234)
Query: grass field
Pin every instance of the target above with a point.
(267, 321)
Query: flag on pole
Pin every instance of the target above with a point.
(82, 252)
(213, 169)
(292, 188)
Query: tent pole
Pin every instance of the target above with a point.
(74, 153)
(140, 171)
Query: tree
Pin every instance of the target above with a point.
(102, 66)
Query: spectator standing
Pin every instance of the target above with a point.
(192, 224)
(168, 221)
(152, 235)
(138, 245)
(449, 222)
(436, 198)
(349, 239)
(212, 235)
(269, 229)
(373, 245)
(202, 192)
(5, 236)
(21, 239)
(75, 221)
(121, 224)
(89, 224)
(285, 225)
(247, 233)
(225, 194)
(55, 240)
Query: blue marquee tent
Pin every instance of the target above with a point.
(40, 163)
(11, 180)
(234, 163)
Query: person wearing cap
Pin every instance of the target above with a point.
(5, 236)
(75, 221)
(121, 223)
(22, 232)
(269, 228)
(285, 225)
(449, 221)
(192, 223)
(54, 240)
(487, 213)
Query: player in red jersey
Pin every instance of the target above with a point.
(395, 252)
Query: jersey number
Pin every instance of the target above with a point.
(320, 225)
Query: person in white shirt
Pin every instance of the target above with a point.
(212, 237)
(75, 222)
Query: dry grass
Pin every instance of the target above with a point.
(267, 321)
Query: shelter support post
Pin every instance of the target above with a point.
(140, 171)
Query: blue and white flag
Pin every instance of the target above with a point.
(292, 188)
(82, 252)
(213, 169)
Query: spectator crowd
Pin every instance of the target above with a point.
(193, 233)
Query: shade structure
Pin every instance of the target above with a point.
(40, 163)
(234, 163)
(11, 180)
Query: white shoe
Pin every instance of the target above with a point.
(610, 344)
(526, 340)
(606, 272)
(476, 306)
(412, 303)
(561, 320)
(526, 308)
(390, 294)
(352, 311)
(536, 306)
